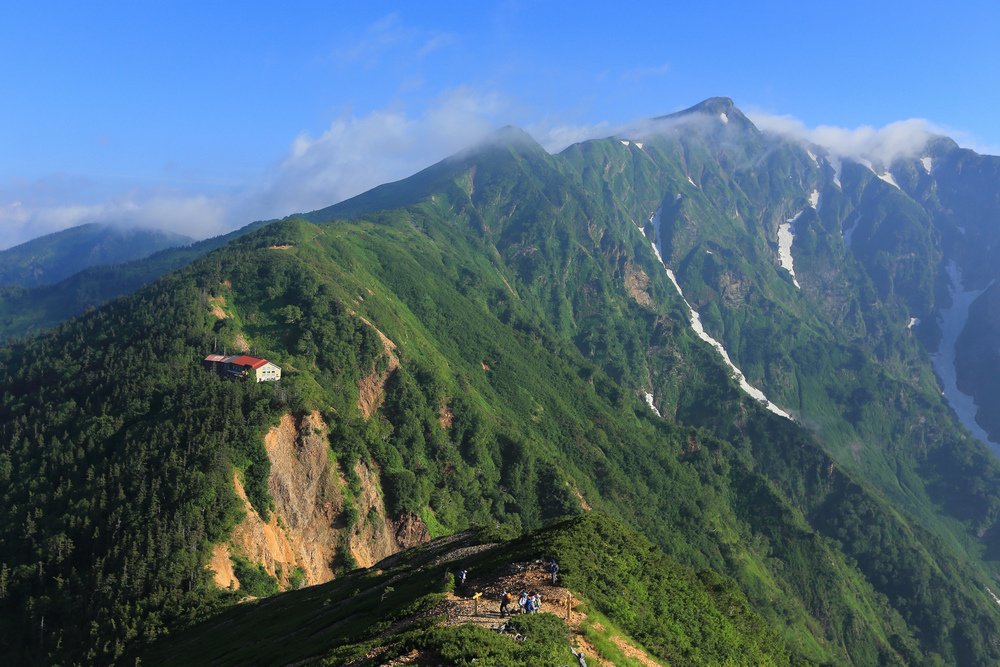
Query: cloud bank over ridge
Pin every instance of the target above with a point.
(358, 152)
(898, 140)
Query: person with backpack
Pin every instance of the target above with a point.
(554, 571)
(523, 602)
(505, 601)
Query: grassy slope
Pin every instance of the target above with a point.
(682, 617)
(507, 266)
(35, 309)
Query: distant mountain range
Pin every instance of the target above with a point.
(53, 257)
(774, 362)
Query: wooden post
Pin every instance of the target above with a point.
(475, 603)
(569, 605)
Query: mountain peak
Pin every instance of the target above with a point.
(713, 105)
(510, 134)
(507, 136)
(722, 108)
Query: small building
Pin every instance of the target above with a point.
(241, 366)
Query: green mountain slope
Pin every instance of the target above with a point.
(25, 310)
(53, 257)
(405, 606)
(525, 315)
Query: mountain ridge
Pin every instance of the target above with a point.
(525, 302)
(53, 257)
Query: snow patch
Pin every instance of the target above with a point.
(692, 182)
(953, 321)
(928, 163)
(699, 329)
(638, 145)
(887, 177)
(814, 198)
(914, 321)
(624, 142)
(649, 401)
(723, 117)
(812, 156)
(786, 237)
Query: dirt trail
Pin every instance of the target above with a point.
(462, 608)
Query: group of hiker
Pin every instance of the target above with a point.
(528, 603)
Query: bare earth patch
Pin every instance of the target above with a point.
(637, 285)
(371, 388)
(462, 608)
(375, 536)
(222, 568)
(216, 303)
(445, 416)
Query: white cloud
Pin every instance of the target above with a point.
(884, 145)
(357, 153)
(197, 216)
(554, 138)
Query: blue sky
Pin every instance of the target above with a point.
(203, 116)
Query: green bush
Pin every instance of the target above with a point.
(254, 579)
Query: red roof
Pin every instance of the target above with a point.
(244, 360)
(215, 358)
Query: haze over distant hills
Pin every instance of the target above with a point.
(724, 338)
(53, 257)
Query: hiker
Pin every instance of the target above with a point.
(536, 603)
(554, 571)
(505, 601)
(461, 578)
(523, 602)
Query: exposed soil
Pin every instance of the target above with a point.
(308, 522)
(375, 536)
(304, 487)
(216, 303)
(462, 608)
(259, 541)
(634, 652)
(445, 416)
(301, 531)
(222, 568)
(584, 505)
(371, 388)
(637, 284)
(241, 343)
